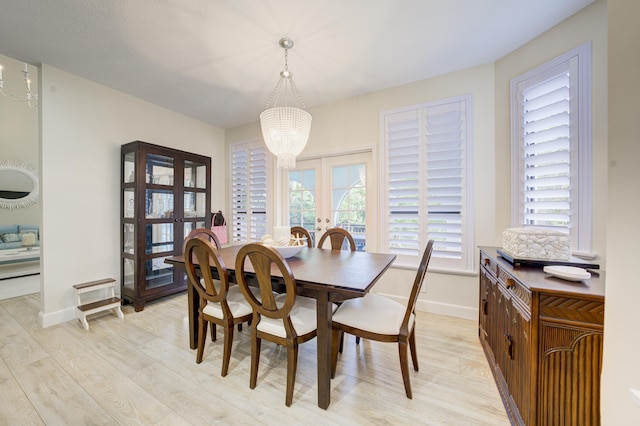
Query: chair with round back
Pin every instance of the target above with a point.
(337, 236)
(379, 318)
(274, 316)
(206, 234)
(219, 303)
(299, 232)
(202, 233)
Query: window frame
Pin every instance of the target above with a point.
(581, 164)
(466, 264)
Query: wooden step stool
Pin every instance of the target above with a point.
(111, 303)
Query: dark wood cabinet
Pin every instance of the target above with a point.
(543, 340)
(165, 193)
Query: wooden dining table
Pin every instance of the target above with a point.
(326, 275)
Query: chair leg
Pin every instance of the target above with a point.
(226, 355)
(357, 340)
(337, 337)
(404, 366)
(292, 366)
(202, 333)
(412, 347)
(255, 359)
(341, 345)
(239, 326)
(213, 332)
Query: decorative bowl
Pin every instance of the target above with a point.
(288, 251)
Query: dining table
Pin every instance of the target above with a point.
(328, 276)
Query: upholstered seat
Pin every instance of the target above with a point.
(387, 314)
(377, 318)
(238, 305)
(303, 317)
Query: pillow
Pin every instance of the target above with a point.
(25, 229)
(10, 238)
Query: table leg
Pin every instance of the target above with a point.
(193, 300)
(323, 317)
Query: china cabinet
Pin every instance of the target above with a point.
(543, 339)
(165, 194)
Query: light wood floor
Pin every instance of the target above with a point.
(140, 370)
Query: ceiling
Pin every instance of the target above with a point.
(219, 60)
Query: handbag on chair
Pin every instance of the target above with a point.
(219, 226)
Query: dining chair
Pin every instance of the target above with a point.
(285, 319)
(337, 236)
(206, 234)
(202, 233)
(300, 232)
(379, 318)
(219, 303)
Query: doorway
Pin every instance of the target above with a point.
(331, 192)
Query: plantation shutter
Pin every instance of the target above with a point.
(249, 180)
(546, 156)
(403, 133)
(426, 170)
(445, 129)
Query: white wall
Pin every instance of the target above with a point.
(83, 125)
(621, 368)
(18, 133)
(353, 124)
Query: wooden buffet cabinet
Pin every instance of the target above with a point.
(543, 339)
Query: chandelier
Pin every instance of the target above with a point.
(29, 97)
(285, 128)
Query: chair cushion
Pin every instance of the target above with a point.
(373, 313)
(236, 301)
(303, 317)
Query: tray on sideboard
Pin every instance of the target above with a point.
(573, 261)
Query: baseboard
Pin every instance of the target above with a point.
(456, 311)
(58, 317)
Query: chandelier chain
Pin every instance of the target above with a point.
(29, 97)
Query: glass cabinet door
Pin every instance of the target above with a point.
(195, 175)
(159, 169)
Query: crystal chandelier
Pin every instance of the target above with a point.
(285, 128)
(29, 97)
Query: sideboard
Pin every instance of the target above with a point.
(543, 338)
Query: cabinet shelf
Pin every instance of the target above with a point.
(165, 194)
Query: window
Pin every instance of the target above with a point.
(426, 173)
(250, 188)
(551, 151)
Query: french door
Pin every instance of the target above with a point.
(331, 192)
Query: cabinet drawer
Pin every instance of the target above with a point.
(516, 289)
(489, 264)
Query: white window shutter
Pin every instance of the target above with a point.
(426, 180)
(249, 189)
(403, 135)
(552, 153)
(446, 135)
(546, 160)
